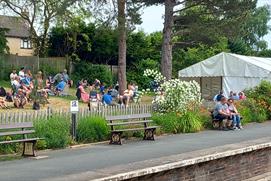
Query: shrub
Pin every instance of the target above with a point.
(189, 122)
(250, 110)
(92, 129)
(55, 131)
(262, 95)
(167, 121)
(90, 72)
(175, 95)
(10, 148)
(175, 123)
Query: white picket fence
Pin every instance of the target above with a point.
(9, 117)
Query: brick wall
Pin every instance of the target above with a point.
(232, 168)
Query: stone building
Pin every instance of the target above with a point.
(17, 35)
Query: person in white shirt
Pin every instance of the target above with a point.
(13, 75)
(21, 73)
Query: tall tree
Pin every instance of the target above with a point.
(39, 14)
(174, 9)
(122, 46)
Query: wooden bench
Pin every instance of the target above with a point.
(141, 120)
(22, 129)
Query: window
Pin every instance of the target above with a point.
(26, 44)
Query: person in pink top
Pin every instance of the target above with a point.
(242, 95)
(84, 94)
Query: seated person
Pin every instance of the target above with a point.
(221, 112)
(242, 95)
(60, 86)
(93, 94)
(3, 103)
(84, 95)
(235, 96)
(235, 116)
(20, 99)
(127, 96)
(107, 99)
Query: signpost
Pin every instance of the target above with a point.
(74, 108)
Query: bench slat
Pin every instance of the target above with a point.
(131, 116)
(18, 141)
(16, 132)
(131, 122)
(134, 129)
(16, 125)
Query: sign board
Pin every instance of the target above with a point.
(74, 107)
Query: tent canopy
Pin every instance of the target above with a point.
(228, 64)
(236, 72)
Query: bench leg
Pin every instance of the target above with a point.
(29, 149)
(115, 138)
(149, 134)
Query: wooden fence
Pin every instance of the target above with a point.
(9, 117)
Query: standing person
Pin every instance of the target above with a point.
(221, 113)
(13, 75)
(234, 115)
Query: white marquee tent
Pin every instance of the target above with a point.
(228, 72)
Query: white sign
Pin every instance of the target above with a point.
(74, 106)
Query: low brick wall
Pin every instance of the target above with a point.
(236, 167)
(227, 163)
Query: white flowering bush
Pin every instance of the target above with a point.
(178, 96)
(155, 75)
(175, 95)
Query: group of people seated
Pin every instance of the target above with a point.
(226, 113)
(23, 84)
(232, 95)
(97, 93)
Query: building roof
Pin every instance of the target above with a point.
(17, 27)
(229, 64)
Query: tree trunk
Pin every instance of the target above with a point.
(122, 46)
(166, 62)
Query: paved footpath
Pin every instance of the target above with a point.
(83, 161)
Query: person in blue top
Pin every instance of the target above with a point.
(60, 86)
(107, 99)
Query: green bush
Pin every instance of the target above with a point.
(167, 121)
(90, 72)
(252, 111)
(174, 123)
(55, 131)
(190, 122)
(262, 95)
(92, 129)
(10, 148)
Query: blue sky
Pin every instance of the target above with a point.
(153, 21)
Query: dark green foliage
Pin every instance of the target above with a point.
(3, 42)
(262, 96)
(251, 111)
(10, 148)
(90, 72)
(92, 129)
(175, 123)
(55, 130)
